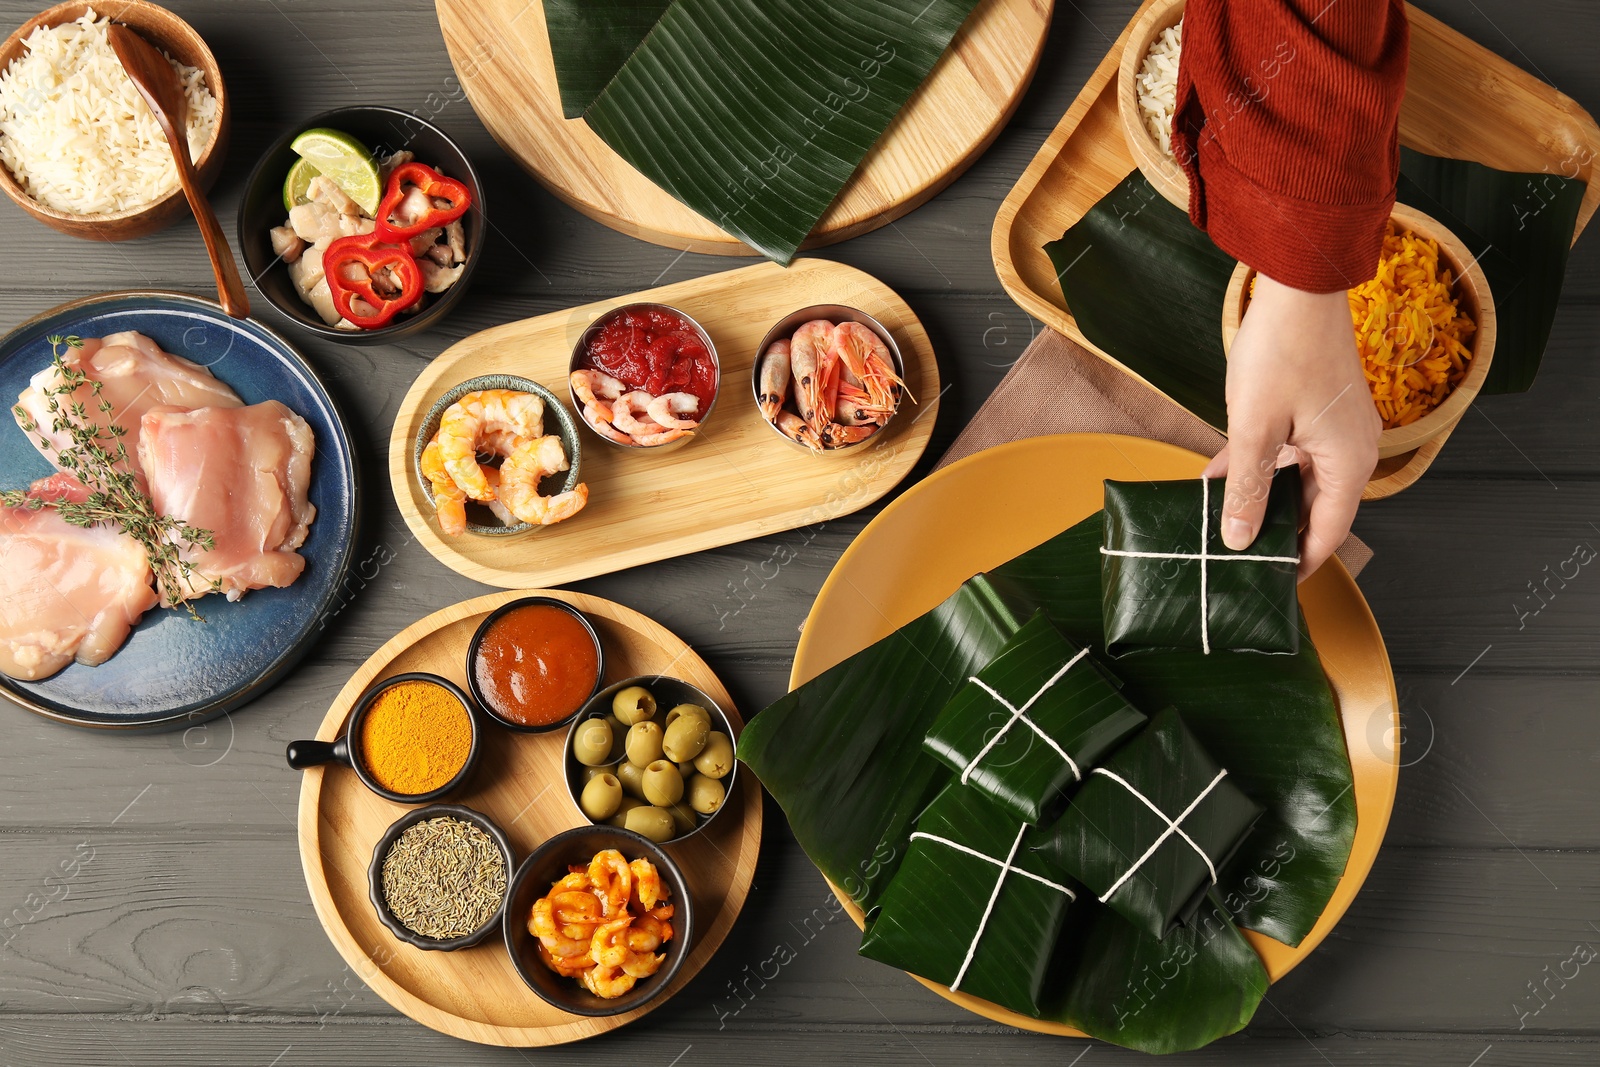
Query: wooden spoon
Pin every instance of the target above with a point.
(158, 83)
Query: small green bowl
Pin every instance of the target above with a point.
(479, 519)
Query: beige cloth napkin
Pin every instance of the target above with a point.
(1058, 386)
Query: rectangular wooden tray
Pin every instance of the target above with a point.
(737, 480)
(1462, 101)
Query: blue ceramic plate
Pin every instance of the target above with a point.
(173, 670)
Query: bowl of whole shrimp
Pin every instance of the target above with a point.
(644, 377)
(499, 454)
(828, 378)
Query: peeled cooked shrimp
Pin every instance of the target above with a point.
(593, 386)
(520, 476)
(600, 422)
(624, 414)
(665, 410)
(477, 417)
(774, 381)
(607, 982)
(449, 502)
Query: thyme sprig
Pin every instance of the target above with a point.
(98, 457)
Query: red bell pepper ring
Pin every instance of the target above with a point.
(371, 254)
(435, 186)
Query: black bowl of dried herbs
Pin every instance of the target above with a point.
(439, 877)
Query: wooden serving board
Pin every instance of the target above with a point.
(476, 994)
(1462, 101)
(501, 52)
(738, 479)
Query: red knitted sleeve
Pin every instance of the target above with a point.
(1287, 124)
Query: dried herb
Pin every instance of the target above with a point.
(444, 878)
(98, 457)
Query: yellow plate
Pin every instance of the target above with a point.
(976, 514)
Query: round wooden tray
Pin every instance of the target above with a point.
(501, 52)
(475, 994)
(1033, 489)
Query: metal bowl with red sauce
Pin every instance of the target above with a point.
(650, 348)
(533, 663)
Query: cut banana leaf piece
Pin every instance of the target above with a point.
(975, 905)
(1147, 288)
(752, 112)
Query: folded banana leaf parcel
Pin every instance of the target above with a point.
(844, 755)
(1031, 723)
(1169, 582)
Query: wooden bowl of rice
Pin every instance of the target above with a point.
(178, 40)
(1470, 290)
(1135, 90)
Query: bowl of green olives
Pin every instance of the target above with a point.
(653, 755)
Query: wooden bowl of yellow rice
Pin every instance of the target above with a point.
(1425, 362)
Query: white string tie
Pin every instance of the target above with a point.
(1173, 827)
(1021, 714)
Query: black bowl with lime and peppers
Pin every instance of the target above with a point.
(383, 130)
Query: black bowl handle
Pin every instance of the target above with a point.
(303, 754)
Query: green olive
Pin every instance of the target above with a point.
(619, 738)
(685, 738)
(620, 818)
(663, 785)
(631, 775)
(654, 823)
(686, 768)
(644, 743)
(591, 773)
(681, 710)
(683, 817)
(716, 760)
(601, 797)
(634, 705)
(592, 743)
(706, 794)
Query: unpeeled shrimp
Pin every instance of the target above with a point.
(479, 415)
(862, 353)
(521, 474)
(815, 368)
(795, 428)
(665, 410)
(773, 384)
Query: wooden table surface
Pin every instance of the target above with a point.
(185, 935)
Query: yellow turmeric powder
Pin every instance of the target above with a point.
(415, 737)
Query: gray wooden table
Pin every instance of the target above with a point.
(186, 935)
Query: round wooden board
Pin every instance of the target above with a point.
(720, 488)
(501, 52)
(475, 994)
(1032, 490)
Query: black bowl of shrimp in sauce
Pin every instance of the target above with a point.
(828, 378)
(497, 455)
(644, 377)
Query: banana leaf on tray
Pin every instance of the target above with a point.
(1147, 288)
(723, 104)
(843, 756)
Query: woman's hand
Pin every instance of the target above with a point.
(1296, 393)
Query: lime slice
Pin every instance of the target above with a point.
(296, 184)
(345, 160)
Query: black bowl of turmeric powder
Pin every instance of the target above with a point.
(412, 738)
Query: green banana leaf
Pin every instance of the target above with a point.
(752, 112)
(1106, 836)
(843, 756)
(1200, 982)
(1271, 720)
(983, 926)
(1060, 707)
(1152, 602)
(1147, 288)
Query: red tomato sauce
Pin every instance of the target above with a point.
(536, 665)
(657, 351)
